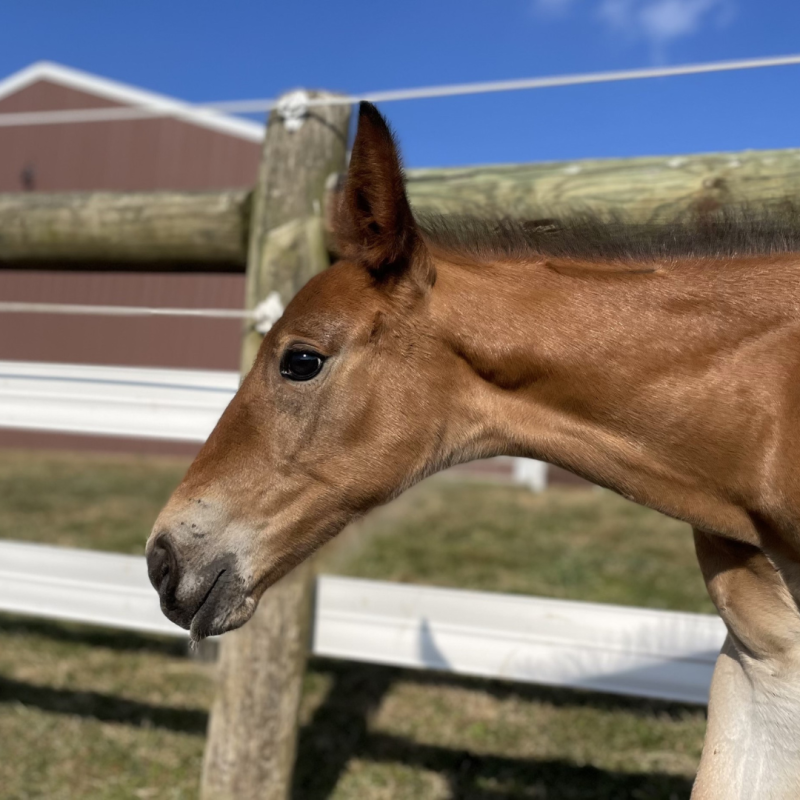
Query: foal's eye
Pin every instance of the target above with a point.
(301, 365)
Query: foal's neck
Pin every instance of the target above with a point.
(649, 383)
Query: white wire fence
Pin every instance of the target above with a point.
(264, 315)
(170, 108)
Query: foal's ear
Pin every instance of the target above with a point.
(374, 223)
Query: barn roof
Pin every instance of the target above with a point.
(126, 94)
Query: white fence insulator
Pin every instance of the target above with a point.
(531, 473)
(267, 313)
(293, 109)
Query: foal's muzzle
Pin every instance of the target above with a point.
(162, 566)
(199, 600)
(162, 569)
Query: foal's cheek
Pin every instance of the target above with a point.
(296, 419)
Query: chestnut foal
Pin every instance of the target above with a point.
(660, 362)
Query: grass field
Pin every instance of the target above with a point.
(88, 713)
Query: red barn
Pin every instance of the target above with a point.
(185, 150)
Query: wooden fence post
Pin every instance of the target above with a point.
(253, 728)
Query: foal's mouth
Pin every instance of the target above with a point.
(202, 623)
(228, 604)
(207, 594)
(196, 617)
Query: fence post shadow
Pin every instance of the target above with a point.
(338, 729)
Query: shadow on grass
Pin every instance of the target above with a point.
(339, 732)
(103, 707)
(339, 729)
(552, 695)
(482, 777)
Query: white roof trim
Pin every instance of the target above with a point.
(130, 95)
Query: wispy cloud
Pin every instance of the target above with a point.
(660, 22)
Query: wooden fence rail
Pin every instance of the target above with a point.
(642, 189)
(212, 228)
(201, 228)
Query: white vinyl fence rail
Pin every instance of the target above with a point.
(181, 405)
(607, 648)
(561, 643)
(149, 402)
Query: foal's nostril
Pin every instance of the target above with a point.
(162, 566)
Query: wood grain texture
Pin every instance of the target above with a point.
(643, 189)
(251, 743)
(196, 227)
(253, 729)
(208, 228)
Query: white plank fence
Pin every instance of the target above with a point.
(151, 403)
(607, 648)
(561, 643)
(180, 405)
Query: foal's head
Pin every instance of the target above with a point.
(345, 406)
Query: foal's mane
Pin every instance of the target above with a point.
(740, 231)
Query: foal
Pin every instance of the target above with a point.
(662, 363)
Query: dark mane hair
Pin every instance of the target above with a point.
(733, 232)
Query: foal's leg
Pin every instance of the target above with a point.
(752, 745)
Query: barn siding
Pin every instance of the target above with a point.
(121, 341)
(124, 155)
(38, 440)
(124, 341)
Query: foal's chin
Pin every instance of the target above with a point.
(231, 609)
(221, 618)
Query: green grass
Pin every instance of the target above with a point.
(93, 714)
(585, 545)
(88, 713)
(79, 500)
(96, 714)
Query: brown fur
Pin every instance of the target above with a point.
(728, 232)
(656, 362)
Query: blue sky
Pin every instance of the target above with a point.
(242, 49)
